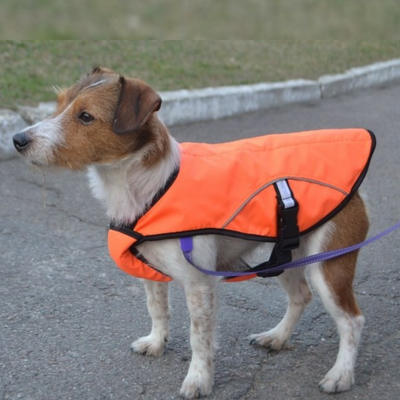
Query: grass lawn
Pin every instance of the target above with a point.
(29, 69)
(199, 19)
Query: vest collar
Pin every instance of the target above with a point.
(130, 226)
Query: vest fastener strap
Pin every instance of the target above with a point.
(289, 235)
(288, 209)
(288, 229)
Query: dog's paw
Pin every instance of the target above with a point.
(148, 346)
(269, 339)
(337, 380)
(196, 384)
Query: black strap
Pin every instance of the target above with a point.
(288, 233)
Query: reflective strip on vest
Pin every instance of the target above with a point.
(285, 193)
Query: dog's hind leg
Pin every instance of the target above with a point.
(349, 322)
(299, 296)
(201, 297)
(158, 306)
(334, 282)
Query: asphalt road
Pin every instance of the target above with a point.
(68, 315)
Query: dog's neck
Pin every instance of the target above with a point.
(127, 187)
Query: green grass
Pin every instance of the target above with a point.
(199, 19)
(29, 69)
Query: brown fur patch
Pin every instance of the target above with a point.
(351, 228)
(136, 102)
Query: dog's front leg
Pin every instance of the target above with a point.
(157, 304)
(202, 302)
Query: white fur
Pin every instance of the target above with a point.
(341, 375)
(299, 296)
(96, 84)
(46, 136)
(126, 188)
(158, 306)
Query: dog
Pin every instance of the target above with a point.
(108, 125)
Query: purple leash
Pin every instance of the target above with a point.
(187, 247)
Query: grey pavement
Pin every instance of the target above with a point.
(68, 315)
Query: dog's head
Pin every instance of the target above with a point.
(103, 118)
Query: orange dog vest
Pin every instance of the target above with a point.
(231, 189)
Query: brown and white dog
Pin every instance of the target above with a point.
(127, 170)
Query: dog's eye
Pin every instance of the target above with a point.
(86, 118)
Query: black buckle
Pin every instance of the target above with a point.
(289, 234)
(288, 238)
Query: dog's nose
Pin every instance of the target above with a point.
(21, 141)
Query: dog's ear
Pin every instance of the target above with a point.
(137, 101)
(97, 70)
(102, 70)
